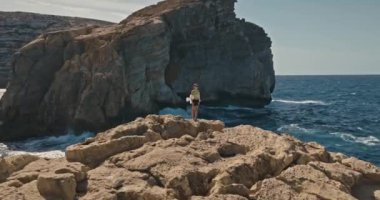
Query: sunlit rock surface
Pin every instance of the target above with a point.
(168, 157)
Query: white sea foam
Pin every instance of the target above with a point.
(45, 147)
(295, 128)
(175, 111)
(56, 142)
(2, 91)
(229, 107)
(368, 140)
(315, 102)
(3, 150)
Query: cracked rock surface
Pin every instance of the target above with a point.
(168, 157)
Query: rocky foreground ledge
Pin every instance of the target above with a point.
(168, 157)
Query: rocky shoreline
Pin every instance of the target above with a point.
(168, 157)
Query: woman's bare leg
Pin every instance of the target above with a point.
(196, 113)
(193, 112)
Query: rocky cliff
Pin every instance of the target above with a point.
(93, 78)
(19, 28)
(167, 157)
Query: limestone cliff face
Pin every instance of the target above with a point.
(91, 78)
(170, 158)
(19, 28)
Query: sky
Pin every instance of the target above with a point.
(309, 37)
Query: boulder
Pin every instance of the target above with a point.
(93, 78)
(369, 170)
(77, 169)
(338, 172)
(24, 177)
(57, 186)
(24, 180)
(27, 191)
(97, 152)
(10, 164)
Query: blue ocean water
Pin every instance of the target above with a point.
(340, 112)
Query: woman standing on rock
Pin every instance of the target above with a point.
(195, 97)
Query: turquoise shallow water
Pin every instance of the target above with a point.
(339, 112)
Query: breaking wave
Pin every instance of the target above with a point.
(314, 102)
(176, 111)
(347, 137)
(228, 108)
(2, 91)
(368, 140)
(46, 147)
(294, 128)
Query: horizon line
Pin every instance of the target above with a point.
(327, 74)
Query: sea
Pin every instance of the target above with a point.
(340, 112)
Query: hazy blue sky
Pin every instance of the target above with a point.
(309, 36)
